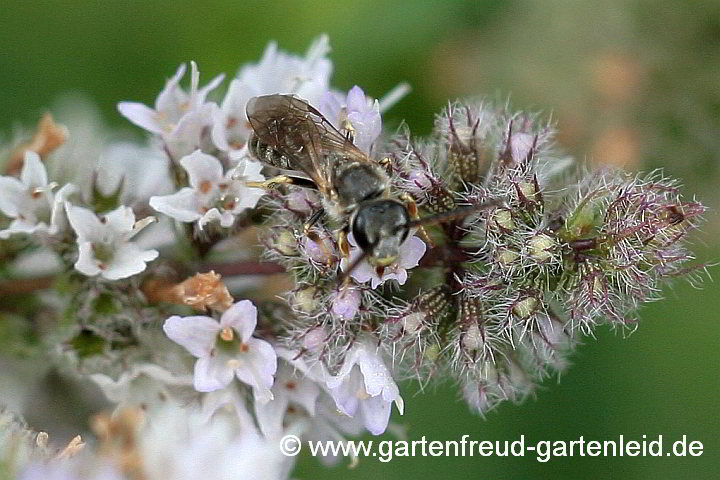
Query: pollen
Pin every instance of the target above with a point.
(227, 334)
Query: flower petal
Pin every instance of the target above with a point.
(121, 219)
(270, 416)
(141, 115)
(86, 225)
(58, 217)
(376, 414)
(182, 205)
(86, 263)
(242, 317)
(258, 368)
(33, 172)
(172, 96)
(128, 260)
(376, 376)
(411, 252)
(344, 390)
(197, 333)
(211, 373)
(13, 194)
(202, 167)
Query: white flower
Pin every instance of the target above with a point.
(226, 349)
(179, 117)
(410, 253)
(212, 195)
(30, 200)
(179, 443)
(104, 243)
(365, 386)
(85, 468)
(329, 424)
(133, 172)
(354, 112)
(143, 384)
(293, 390)
(277, 72)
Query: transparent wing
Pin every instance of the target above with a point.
(298, 131)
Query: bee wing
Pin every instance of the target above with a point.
(298, 131)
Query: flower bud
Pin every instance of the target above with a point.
(315, 339)
(306, 299)
(503, 218)
(541, 247)
(525, 307)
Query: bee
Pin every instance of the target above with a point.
(291, 135)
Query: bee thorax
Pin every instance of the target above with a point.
(358, 182)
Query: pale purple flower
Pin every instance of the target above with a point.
(365, 387)
(354, 112)
(520, 145)
(277, 72)
(330, 424)
(315, 339)
(411, 251)
(212, 195)
(346, 303)
(303, 200)
(104, 243)
(30, 201)
(419, 180)
(179, 117)
(322, 251)
(226, 349)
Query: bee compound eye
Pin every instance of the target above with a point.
(360, 230)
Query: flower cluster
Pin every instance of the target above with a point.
(511, 255)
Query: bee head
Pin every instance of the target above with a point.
(379, 228)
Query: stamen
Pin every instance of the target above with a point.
(205, 186)
(361, 394)
(227, 334)
(394, 96)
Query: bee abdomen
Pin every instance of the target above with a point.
(268, 155)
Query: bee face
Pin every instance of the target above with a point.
(379, 228)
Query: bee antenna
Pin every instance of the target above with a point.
(460, 212)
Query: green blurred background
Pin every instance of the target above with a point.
(631, 82)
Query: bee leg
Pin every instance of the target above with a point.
(343, 244)
(386, 163)
(349, 130)
(282, 180)
(312, 220)
(413, 211)
(344, 247)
